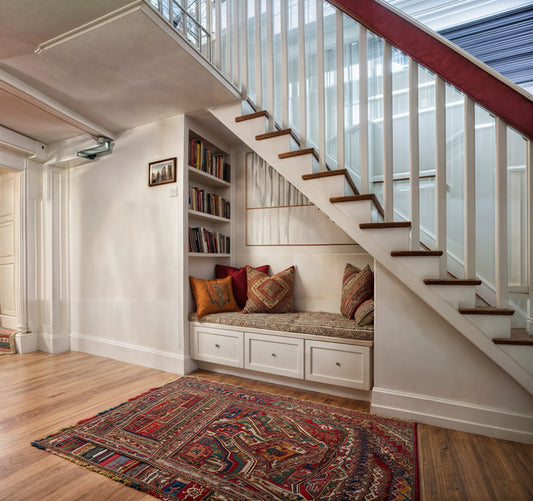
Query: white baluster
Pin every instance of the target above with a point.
(270, 63)
(529, 236)
(414, 156)
(363, 109)
(228, 41)
(258, 58)
(244, 47)
(470, 189)
(302, 92)
(388, 188)
(440, 171)
(340, 87)
(284, 65)
(218, 36)
(501, 273)
(320, 84)
(236, 4)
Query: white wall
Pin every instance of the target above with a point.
(427, 371)
(319, 268)
(124, 259)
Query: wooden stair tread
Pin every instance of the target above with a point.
(451, 281)
(296, 153)
(416, 253)
(518, 337)
(486, 310)
(358, 198)
(326, 173)
(276, 133)
(391, 224)
(251, 116)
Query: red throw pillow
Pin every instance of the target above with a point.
(240, 285)
(357, 287)
(270, 294)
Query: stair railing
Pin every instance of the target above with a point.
(323, 74)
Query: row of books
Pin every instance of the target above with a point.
(212, 163)
(211, 203)
(205, 241)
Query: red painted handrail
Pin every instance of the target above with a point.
(435, 54)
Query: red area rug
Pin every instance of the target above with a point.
(7, 341)
(197, 440)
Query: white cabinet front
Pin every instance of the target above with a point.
(278, 355)
(339, 364)
(217, 346)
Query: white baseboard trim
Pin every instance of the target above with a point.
(452, 414)
(338, 391)
(139, 355)
(27, 343)
(54, 343)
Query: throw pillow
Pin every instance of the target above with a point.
(239, 282)
(364, 315)
(213, 296)
(270, 294)
(357, 287)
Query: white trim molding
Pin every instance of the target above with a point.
(133, 354)
(54, 343)
(453, 414)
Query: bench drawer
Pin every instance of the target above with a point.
(218, 346)
(278, 355)
(338, 363)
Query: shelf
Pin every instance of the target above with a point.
(204, 177)
(208, 217)
(207, 254)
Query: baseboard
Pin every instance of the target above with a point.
(139, 355)
(338, 391)
(27, 343)
(54, 343)
(452, 414)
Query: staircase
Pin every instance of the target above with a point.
(356, 100)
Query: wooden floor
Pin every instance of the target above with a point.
(43, 393)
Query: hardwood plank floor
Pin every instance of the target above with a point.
(43, 393)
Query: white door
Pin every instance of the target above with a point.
(9, 203)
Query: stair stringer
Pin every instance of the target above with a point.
(293, 169)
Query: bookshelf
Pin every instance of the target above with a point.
(209, 199)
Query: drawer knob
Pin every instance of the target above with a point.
(274, 355)
(338, 364)
(217, 346)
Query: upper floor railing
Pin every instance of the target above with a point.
(372, 92)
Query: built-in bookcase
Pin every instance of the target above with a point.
(209, 198)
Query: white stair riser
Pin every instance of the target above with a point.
(332, 186)
(280, 144)
(252, 127)
(459, 296)
(422, 266)
(295, 166)
(492, 325)
(391, 238)
(360, 211)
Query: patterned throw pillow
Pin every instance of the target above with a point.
(213, 296)
(357, 287)
(364, 315)
(270, 294)
(240, 287)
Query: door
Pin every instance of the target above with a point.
(9, 206)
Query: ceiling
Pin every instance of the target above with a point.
(126, 69)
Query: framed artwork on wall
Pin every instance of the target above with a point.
(162, 172)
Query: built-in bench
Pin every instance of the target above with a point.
(313, 346)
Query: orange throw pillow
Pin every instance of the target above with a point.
(213, 296)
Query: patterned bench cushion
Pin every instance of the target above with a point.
(315, 323)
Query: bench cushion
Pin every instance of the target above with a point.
(315, 323)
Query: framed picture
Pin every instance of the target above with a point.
(162, 172)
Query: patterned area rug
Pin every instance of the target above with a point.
(198, 440)
(7, 341)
